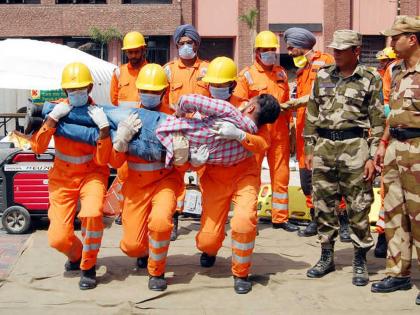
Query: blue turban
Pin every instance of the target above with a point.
(187, 30)
(299, 38)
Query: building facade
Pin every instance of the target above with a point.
(220, 23)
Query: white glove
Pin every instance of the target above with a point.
(98, 116)
(199, 156)
(125, 132)
(59, 111)
(227, 130)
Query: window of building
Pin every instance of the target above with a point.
(146, 1)
(211, 48)
(20, 1)
(157, 50)
(88, 46)
(80, 1)
(371, 44)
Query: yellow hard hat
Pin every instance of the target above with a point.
(152, 77)
(221, 70)
(133, 40)
(76, 75)
(386, 53)
(266, 39)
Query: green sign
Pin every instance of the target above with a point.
(39, 97)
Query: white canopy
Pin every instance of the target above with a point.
(37, 65)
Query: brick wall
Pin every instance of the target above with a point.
(410, 7)
(48, 19)
(337, 15)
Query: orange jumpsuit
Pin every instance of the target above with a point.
(185, 80)
(305, 78)
(79, 171)
(150, 193)
(238, 184)
(124, 93)
(254, 81)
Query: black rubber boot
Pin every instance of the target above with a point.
(72, 266)
(242, 285)
(207, 261)
(311, 229)
(118, 219)
(344, 228)
(360, 271)
(174, 233)
(142, 262)
(157, 283)
(381, 246)
(325, 264)
(88, 279)
(287, 226)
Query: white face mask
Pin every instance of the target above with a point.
(186, 51)
(78, 98)
(268, 58)
(149, 100)
(222, 93)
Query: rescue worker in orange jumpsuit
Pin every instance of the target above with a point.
(264, 76)
(80, 171)
(300, 43)
(123, 89)
(150, 190)
(184, 77)
(238, 183)
(387, 58)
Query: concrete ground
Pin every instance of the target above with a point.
(38, 284)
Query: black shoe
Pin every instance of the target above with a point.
(360, 272)
(174, 233)
(88, 279)
(72, 266)
(207, 261)
(344, 231)
(157, 283)
(287, 226)
(118, 220)
(142, 262)
(242, 285)
(391, 284)
(381, 246)
(418, 299)
(325, 264)
(310, 230)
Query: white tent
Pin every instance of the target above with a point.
(27, 64)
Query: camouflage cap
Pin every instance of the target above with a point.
(343, 39)
(403, 24)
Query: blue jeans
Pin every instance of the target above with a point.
(78, 126)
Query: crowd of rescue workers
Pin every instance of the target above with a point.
(353, 122)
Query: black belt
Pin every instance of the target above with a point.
(340, 135)
(402, 134)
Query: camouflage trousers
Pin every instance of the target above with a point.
(402, 205)
(338, 173)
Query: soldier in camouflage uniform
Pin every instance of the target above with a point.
(402, 158)
(345, 103)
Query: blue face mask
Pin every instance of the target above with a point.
(268, 58)
(222, 93)
(186, 51)
(150, 100)
(78, 97)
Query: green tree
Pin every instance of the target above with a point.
(104, 37)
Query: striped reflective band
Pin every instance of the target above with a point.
(241, 259)
(280, 196)
(127, 104)
(146, 167)
(180, 203)
(92, 234)
(318, 63)
(158, 244)
(243, 246)
(280, 206)
(157, 257)
(73, 159)
(88, 247)
(248, 77)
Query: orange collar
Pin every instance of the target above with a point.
(196, 64)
